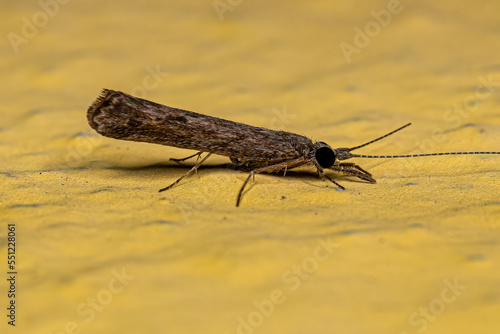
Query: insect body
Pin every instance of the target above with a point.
(118, 115)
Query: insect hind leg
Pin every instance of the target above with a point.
(186, 158)
(188, 172)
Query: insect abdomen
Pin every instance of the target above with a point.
(121, 116)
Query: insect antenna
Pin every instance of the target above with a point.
(379, 138)
(417, 155)
(345, 153)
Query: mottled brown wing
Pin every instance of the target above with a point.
(122, 116)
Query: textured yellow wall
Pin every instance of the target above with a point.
(101, 251)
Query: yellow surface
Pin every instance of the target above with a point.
(87, 207)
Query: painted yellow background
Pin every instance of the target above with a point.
(101, 251)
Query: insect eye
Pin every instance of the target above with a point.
(325, 157)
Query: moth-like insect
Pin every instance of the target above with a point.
(121, 116)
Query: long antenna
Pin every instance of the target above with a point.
(417, 155)
(371, 142)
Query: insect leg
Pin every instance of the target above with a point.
(188, 172)
(286, 164)
(322, 173)
(353, 165)
(183, 159)
(353, 170)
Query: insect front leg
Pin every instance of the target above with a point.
(188, 172)
(283, 165)
(353, 165)
(323, 174)
(351, 169)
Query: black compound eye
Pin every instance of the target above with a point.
(325, 157)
